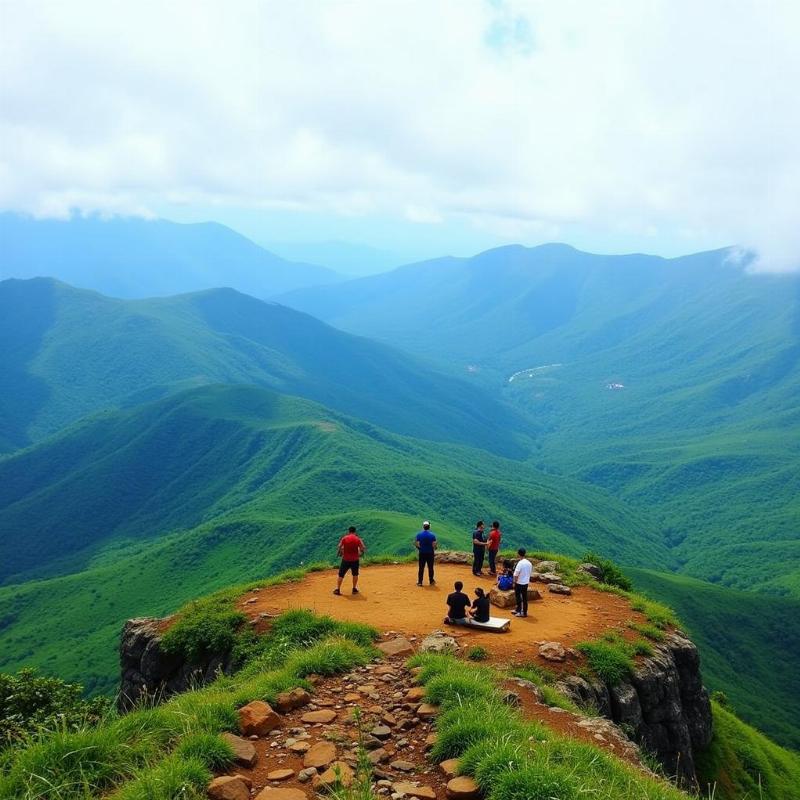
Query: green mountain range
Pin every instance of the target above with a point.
(135, 511)
(69, 352)
(671, 383)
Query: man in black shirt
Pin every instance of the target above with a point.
(457, 605)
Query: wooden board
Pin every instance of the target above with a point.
(496, 624)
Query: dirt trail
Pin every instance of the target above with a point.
(390, 600)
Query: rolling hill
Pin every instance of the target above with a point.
(750, 646)
(135, 258)
(68, 352)
(671, 383)
(134, 511)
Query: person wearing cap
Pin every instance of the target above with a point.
(426, 547)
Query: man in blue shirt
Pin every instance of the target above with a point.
(426, 545)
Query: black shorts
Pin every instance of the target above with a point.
(348, 566)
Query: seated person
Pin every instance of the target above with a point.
(480, 606)
(457, 604)
(505, 580)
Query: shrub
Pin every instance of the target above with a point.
(477, 653)
(205, 626)
(31, 703)
(612, 574)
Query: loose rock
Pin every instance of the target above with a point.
(463, 788)
(257, 719)
(320, 755)
(552, 651)
(323, 716)
(228, 787)
(243, 751)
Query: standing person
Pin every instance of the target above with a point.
(494, 546)
(522, 577)
(478, 548)
(351, 548)
(457, 605)
(426, 545)
(480, 606)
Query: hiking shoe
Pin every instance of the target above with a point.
(419, 584)
(516, 613)
(432, 583)
(336, 591)
(355, 591)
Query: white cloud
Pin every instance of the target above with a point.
(659, 117)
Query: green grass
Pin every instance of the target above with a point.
(749, 647)
(544, 681)
(268, 486)
(611, 658)
(513, 759)
(169, 751)
(743, 763)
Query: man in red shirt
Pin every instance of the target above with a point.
(494, 545)
(351, 548)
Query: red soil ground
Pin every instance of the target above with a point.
(390, 600)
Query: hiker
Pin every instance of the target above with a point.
(505, 580)
(426, 545)
(351, 548)
(493, 546)
(457, 604)
(478, 549)
(480, 606)
(522, 577)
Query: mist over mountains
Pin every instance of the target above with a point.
(129, 257)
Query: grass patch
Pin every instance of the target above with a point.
(477, 653)
(512, 759)
(169, 751)
(612, 574)
(610, 659)
(648, 630)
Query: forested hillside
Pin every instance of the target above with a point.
(68, 353)
(672, 383)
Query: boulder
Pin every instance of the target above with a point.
(243, 751)
(546, 577)
(453, 557)
(396, 647)
(559, 588)
(228, 787)
(289, 701)
(281, 794)
(320, 755)
(413, 790)
(547, 566)
(439, 642)
(533, 594)
(553, 651)
(463, 788)
(280, 775)
(449, 767)
(338, 774)
(502, 598)
(323, 716)
(257, 719)
(592, 570)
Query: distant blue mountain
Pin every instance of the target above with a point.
(135, 258)
(353, 260)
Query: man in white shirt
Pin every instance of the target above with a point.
(522, 577)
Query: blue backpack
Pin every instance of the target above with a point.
(505, 582)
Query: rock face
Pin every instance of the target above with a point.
(148, 673)
(663, 706)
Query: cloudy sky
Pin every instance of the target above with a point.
(416, 127)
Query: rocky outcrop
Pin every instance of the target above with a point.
(149, 673)
(663, 706)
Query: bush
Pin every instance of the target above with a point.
(612, 574)
(31, 703)
(204, 627)
(477, 653)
